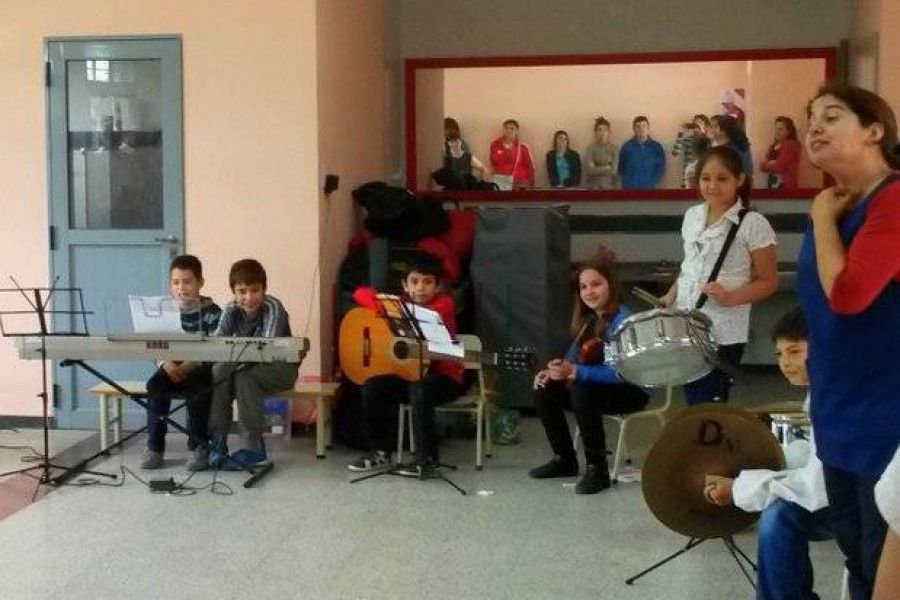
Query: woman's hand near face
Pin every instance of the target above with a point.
(830, 205)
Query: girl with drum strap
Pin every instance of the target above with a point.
(748, 270)
(585, 383)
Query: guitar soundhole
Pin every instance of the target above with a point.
(401, 350)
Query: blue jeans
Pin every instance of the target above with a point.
(714, 386)
(785, 530)
(858, 526)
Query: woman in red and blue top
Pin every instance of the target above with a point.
(849, 286)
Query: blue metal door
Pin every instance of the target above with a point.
(116, 192)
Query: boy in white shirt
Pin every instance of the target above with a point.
(793, 501)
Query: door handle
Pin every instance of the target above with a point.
(169, 239)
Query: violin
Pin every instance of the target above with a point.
(591, 351)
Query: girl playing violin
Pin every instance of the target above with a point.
(583, 382)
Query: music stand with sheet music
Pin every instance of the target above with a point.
(404, 324)
(38, 302)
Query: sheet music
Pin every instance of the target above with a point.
(435, 332)
(154, 314)
(424, 315)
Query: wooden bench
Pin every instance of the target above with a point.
(322, 393)
(110, 397)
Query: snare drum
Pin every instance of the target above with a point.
(662, 347)
(790, 427)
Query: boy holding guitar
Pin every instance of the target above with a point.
(441, 384)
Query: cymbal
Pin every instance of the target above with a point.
(700, 441)
(717, 407)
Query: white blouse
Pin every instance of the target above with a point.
(702, 246)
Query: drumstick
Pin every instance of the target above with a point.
(647, 297)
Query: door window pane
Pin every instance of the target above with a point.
(115, 144)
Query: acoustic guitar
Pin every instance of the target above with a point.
(368, 347)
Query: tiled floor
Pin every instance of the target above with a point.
(306, 532)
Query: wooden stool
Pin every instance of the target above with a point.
(322, 392)
(107, 393)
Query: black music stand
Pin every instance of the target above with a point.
(403, 324)
(38, 301)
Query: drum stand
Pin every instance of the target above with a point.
(404, 324)
(732, 547)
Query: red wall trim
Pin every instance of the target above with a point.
(414, 64)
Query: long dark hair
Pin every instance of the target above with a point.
(869, 108)
(789, 124)
(581, 314)
(737, 137)
(559, 133)
(732, 162)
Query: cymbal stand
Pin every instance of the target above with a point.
(692, 543)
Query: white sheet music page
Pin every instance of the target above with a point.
(154, 314)
(435, 332)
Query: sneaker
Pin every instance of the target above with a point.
(596, 479)
(370, 462)
(199, 460)
(151, 459)
(557, 467)
(246, 458)
(217, 458)
(421, 468)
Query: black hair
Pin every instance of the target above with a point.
(247, 271)
(732, 128)
(701, 145)
(424, 263)
(638, 119)
(559, 133)
(731, 160)
(789, 124)
(187, 262)
(601, 121)
(791, 326)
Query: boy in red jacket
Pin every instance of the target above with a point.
(441, 384)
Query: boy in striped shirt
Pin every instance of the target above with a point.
(252, 313)
(190, 380)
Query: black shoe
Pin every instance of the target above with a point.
(557, 467)
(596, 479)
(422, 468)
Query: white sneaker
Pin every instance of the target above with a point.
(370, 462)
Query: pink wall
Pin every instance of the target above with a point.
(544, 99)
(352, 84)
(889, 54)
(770, 96)
(430, 111)
(882, 17)
(251, 142)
